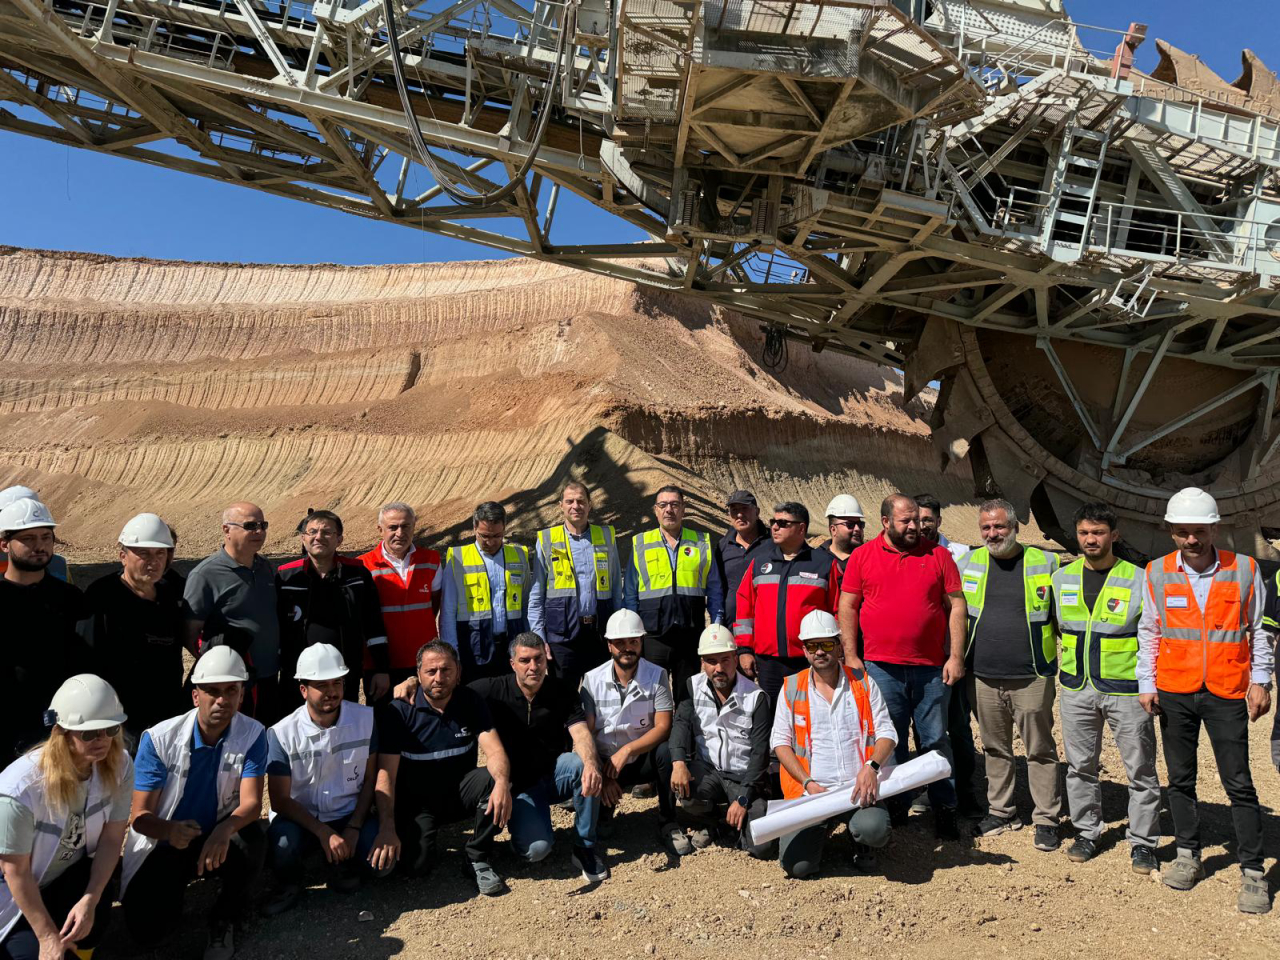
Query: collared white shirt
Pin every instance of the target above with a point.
(1262, 661)
(836, 743)
(401, 567)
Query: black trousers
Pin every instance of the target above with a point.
(153, 900)
(59, 897)
(262, 700)
(1227, 723)
(711, 793)
(653, 767)
(676, 651)
(571, 660)
(423, 808)
(772, 672)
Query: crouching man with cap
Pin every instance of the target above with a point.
(322, 763)
(831, 727)
(720, 746)
(64, 809)
(196, 806)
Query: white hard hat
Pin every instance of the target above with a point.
(1192, 505)
(716, 639)
(623, 624)
(818, 625)
(219, 664)
(16, 492)
(146, 530)
(85, 702)
(321, 661)
(845, 506)
(25, 514)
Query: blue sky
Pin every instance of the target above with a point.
(61, 198)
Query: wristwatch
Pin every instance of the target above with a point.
(743, 802)
(874, 765)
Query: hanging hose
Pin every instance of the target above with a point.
(452, 187)
(774, 355)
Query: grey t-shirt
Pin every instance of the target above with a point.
(1001, 650)
(238, 601)
(18, 826)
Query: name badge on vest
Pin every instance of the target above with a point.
(971, 581)
(1070, 599)
(516, 578)
(801, 721)
(1175, 602)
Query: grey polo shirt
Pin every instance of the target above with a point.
(222, 593)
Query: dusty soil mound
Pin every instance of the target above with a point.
(176, 387)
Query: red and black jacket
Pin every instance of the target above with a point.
(775, 595)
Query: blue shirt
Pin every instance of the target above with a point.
(584, 568)
(496, 567)
(200, 798)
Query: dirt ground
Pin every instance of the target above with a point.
(992, 897)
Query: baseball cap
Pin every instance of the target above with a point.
(741, 496)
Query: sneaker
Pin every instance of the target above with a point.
(920, 804)
(643, 791)
(944, 824)
(1184, 873)
(991, 825)
(1255, 895)
(486, 878)
(700, 838)
(284, 899)
(865, 858)
(676, 841)
(1082, 851)
(222, 944)
(594, 869)
(1047, 838)
(1143, 860)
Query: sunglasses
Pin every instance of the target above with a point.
(251, 526)
(826, 646)
(786, 523)
(88, 736)
(850, 523)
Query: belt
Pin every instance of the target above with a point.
(588, 621)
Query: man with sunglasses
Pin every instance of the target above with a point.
(846, 524)
(782, 583)
(231, 599)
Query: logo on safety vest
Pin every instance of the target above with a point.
(766, 568)
(297, 614)
(1042, 593)
(1115, 604)
(688, 551)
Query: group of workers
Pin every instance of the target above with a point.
(713, 674)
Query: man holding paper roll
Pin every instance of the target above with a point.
(831, 728)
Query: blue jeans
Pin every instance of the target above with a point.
(289, 843)
(530, 823)
(913, 692)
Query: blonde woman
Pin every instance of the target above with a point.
(64, 809)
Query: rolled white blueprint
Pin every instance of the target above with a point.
(787, 816)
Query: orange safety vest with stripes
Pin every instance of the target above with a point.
(796, 693)
(1203, 648)
(408, 612)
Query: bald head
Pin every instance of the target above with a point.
(240, 512)
(239, 542)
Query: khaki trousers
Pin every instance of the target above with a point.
(1028, 704)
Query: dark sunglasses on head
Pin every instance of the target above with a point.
(250, 526)
(826, 646)
(88, 736)
(775, 522)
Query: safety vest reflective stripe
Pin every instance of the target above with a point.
(652, 561)
(1100, 644)
(471, 577)
(402, 607)
(795, 690)
(1208, 648)
(562, 578)
(1270, 620)
(1038, 568)
(391, 571)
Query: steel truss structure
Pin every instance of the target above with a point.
(1084, 256)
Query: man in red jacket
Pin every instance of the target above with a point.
(409, 583)
(783, 581)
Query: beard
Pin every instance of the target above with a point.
(29, 566)
(1007, 549)
(905, 538)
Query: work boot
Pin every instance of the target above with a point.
(1255, 896)
(345, 879)
(673, 836)
(1185, 872)
(221, 944)
(643, 791)
(944, 824)
(1082, 851)
(284, 899)
(991, 825)
(486, 878)
(920, 804)
(1143, 860)
(865, 858)
(1047, 838)
(594, 869)
(700, 838)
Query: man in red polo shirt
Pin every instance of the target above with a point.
(901, 597)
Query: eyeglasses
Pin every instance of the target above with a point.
(250, 526)
(775, 522)
(88, 736)
(671, 505)
(826, 646)
(851, 524)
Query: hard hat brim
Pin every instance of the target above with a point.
(148, 543)
(27, 526)
(218, 678)
(717, 648)
(624, 635)
(1210, 520)
(323, 675)
(99, 724)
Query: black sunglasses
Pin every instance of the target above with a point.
(250, 526)
(88, 736)
(775, 522)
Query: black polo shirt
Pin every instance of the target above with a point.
(435, 748)
(534, 732)
(732, 559)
